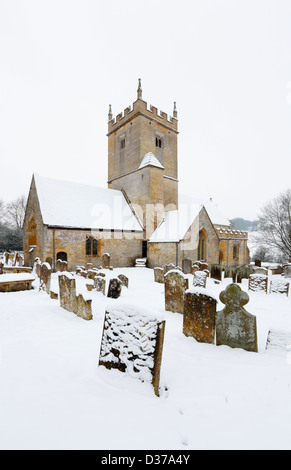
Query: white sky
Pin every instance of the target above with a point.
(227, 64)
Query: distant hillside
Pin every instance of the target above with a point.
(243, 224)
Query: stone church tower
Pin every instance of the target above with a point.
(142, 159)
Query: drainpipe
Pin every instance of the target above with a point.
(54, 250)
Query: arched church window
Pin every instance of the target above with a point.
(202, 245)
(91, 246)
(159, 142)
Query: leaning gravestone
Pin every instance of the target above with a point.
(84, 307)
(67, 292)
(235, 327)
(105, 260)
(159, 275)
(199, 315)
(132, 342)
(187, 266)
(199, 278)
(176, 285)
(114, 288)
(45, 277)
(258, 282)
(124, 279)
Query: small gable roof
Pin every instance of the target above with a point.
(150, 160)
(76, 205)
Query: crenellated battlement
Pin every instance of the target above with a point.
(228, 233)
(140, 107)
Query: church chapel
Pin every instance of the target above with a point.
(140, 215)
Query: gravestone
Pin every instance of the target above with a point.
(6, 258)
(124, 279)
(187, 266)
(45, 277)
(1, 267)
(168, 267)
(235, 327)
(37, 267)
(195, 268)
(258, 282)
(105, 260)
(199, 279)
(67, 292)
(159, 275)
(261, 270)
(199, 315)
(132, 342)
(61, 265)
(176, 285)
(84, 307)
(287, 271)
(258, 262)
(99, 284)
(279, 286)
(114, 289)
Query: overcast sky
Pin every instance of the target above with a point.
(227, 64)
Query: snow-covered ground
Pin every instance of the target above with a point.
(53, 395)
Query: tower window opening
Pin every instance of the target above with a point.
(122, 143)
(158, 142)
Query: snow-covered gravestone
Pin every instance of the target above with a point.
(124, 279)
(99, 284)
(199, 279)
(235, 327)
(287, 271)
(278, 341)
(258, 282)
(132, 342)
(176, 284)
(67, 292)
(84, 307)
(45, 277)
(199, 315)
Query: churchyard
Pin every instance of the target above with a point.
(136, 358)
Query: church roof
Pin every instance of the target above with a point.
(176, 223)
(150, 160)
(76, 205)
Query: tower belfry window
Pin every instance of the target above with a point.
(122, 143)
(158, 142)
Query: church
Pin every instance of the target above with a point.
(141, 214)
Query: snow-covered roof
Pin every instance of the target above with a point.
(69, 204)
(150, 160)
(175, 224)
(216, 216)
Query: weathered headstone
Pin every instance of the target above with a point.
(187, 266)
(278, 286)
(99, 284)
(124, 279)
(235, 327)
(114, 288)
(45, 277)
(168, 267)
(258, 262)
(199, 315)
(199, 279)
(176, 285)
(84, 307)
(159, 275)
(132, 342)
(195, 268)
(1, 267)
(67, 292)
(61, 265)
(106, 260)
(258, 282)
(260, 270)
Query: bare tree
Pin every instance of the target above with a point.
(15, 211)
(275, 224)
(2, 212)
